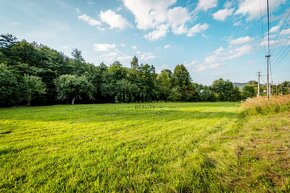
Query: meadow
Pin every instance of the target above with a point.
(150, 147)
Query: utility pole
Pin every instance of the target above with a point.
(268, 75)
(269, 55)
(270, 88)
(259, 77)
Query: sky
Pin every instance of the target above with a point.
(212, 38)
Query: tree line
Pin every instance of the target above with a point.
(32, 73)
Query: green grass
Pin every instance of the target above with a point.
(174, 147)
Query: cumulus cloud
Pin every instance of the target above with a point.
(115, 55)
(222, 14)
(167, 46)
(275, 29)
(206, 4)
(104, 47)
(159, 32)
(114, 20)
(110, 53)
(178, 16)
(182, 29)
(241, 40)
(285, 32)
(280, 42)
(197, 29)
(221, 55)
(145, 56)
(278, 37)
(89, 20)
(148, 13)
(251, 8)
(160, 17)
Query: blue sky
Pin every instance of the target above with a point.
(213, 38)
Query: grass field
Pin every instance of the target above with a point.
(173, 147)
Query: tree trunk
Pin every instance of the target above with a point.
(73, 100)
(28, 100)
(129, 98)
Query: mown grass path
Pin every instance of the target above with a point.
(113, 147)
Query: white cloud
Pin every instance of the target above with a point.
(238, 52)
(182, 29)
(178, 16)
(197, 29)
(238, 23)
(189, 64)
(283, 41)
(148, 13)
(222, 14)
(159, 32)
(110, 53)
(274, 29)
(271, 42)
(146, 56)
(220, 55)
(104, 47)
(124, 58)
(115, 55)
(166, 46)
(114, 20)
(285, 32)
(160, 17)
(241, 40)
(203, 67)
(206, 4)
(251, 8)
(89, 20)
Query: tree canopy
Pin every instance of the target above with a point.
(32, 73)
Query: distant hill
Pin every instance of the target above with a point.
(238, 84)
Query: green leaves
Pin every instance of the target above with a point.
(71, 87)
(225, 90)
(32, 86)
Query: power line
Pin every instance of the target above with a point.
(282, 56)
(281, 53)
(261, 19)
(268, 17)
(269, 55)
(281, 33)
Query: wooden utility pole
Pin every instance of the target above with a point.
(269, 55)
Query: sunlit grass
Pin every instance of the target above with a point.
(173, 147)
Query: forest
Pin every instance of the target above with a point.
(34, 74)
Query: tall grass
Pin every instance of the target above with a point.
(263, 105)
